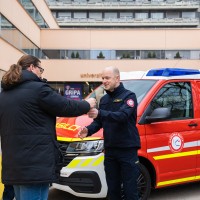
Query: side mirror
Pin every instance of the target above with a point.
(159, 114)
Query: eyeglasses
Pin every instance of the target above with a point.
(41, 69)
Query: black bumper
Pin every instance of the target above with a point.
(82, 182)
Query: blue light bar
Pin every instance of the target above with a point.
(172, 72)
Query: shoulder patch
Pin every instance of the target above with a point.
(130, 103)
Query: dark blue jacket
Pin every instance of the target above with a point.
(117, 116)
(28, 113)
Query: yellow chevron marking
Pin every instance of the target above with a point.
(73, 163)
(180, 180)
(175, 155)
(87, 162)
(98, 161)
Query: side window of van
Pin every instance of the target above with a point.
(178, 97)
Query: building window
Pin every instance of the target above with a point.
(195, 55)
(64, 15)
(151, 54)
(121, 54)
(78, 54)
(157, 15)
(110, 15)
(141, 15)
(177, 54)
(95, 15)
(190, 15)
(102, 54)
(172, 15)
(80, 15)
(126, 15)
(34, 13)
(125, 54)
(11, 34)
(86, 87)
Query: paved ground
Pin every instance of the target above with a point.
(189, 191)
(184, 192)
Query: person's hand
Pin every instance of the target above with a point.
(83, 132)
(92, 102)
(93, 113)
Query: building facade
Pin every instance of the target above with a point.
(126, 13)
(75, 39)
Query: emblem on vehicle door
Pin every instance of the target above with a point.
(176, 142)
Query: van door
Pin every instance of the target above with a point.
(172, 144)
(197, 112)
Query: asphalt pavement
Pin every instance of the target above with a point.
(189, 191)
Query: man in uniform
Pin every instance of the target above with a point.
(117, 115)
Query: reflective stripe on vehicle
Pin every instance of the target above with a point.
(175, 155)
(67, 139)
(83, 162)
(87, 162)
(157, 149)
(178, 154)
(98, 161)
(73, 163)
(165, 148)
(180, 180)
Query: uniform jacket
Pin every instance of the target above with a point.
(28, 113)
(117, 116)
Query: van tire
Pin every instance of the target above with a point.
(144, 183)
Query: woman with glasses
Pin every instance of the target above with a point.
(31, 159)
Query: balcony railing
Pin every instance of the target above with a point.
(133, 22)
(124, 5)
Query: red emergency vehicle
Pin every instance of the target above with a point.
(169, 126)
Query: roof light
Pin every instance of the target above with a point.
(172, 72)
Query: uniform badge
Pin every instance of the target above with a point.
(130, 103)
(117, 100)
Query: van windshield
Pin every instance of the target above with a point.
(139, 87)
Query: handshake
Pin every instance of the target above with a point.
(92, 114)
(93, 111)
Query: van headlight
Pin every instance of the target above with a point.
(86, 147)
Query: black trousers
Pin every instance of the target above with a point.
(8, 193)
(121, 166)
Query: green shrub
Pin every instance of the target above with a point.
(177, 55)
(100, 55)
(72, 55)
(77, 55)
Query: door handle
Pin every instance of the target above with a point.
(193, 124)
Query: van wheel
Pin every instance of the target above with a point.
(144, 184)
